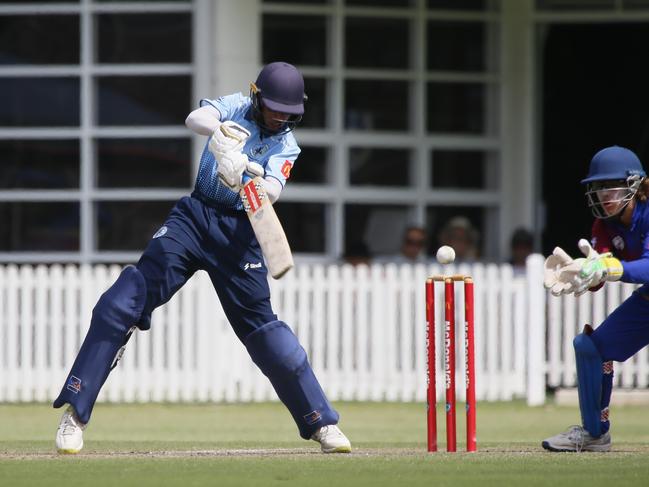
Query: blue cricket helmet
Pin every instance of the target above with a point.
(613, 163)
(614, 177)
(280, 88)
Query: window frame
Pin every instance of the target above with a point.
(338, 192)
(89, 70)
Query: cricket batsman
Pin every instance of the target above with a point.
(616, 190)
(210, 231)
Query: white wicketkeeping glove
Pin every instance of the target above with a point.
(588, 272)
(552, 278)
(230, 169)
(229, 137)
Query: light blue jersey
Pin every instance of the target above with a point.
(276, 154)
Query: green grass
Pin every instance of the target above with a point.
(257, 444)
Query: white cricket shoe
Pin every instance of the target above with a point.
(576, 439)
(69, 436)
(332, 440)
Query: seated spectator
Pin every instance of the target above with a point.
(413, 246)
(357, 253)
(522, 245)
(460, 234)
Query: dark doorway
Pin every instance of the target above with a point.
(595, 94)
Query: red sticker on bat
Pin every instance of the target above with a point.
(252, 196)
(286, 168)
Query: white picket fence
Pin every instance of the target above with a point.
(363, 328)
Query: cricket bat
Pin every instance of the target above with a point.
(267, 227)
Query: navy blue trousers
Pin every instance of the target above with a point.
(620, 336)
(626, 330)
(221, 242)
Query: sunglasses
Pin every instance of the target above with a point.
(417, 242)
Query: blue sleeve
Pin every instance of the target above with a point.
(280, 164)
(637, 271)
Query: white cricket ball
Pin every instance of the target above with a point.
(445, 255)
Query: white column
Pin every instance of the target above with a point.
(235, 44)
(519, 184)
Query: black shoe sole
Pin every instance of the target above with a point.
(547, 446)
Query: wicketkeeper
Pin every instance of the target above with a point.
(210, 231)
(616, 190)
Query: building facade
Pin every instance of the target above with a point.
(418, 111)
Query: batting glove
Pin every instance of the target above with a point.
(230, 169)
(229, 137)
(255, 169)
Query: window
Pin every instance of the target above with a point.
(376, 105)
(463, 169)
(116, 231)
(39, 164)
(143, 100)
(402, 114)
(82, 135)
(456, 46)
(389, 46)
(379, 227)
(379, 167)
(461, 4)
(304, 224)
(39, 226)
(39, 39)
(312, 166)
(144, 38)
(39, 101)
(456, 107)
(144, 163)
(296, 39)
(315, 112)
(380, 3)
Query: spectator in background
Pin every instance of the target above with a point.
(413, 246)
(522, 245)
(460, 234)
(357, 253)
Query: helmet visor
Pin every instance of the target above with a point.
(608, 198)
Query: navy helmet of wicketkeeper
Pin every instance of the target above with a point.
(614, 177)
(280, 89)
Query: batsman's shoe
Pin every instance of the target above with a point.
(332, 440)
(69, 436)
(576, 439)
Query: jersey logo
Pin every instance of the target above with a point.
(74, 384)
(286, 168)
(160, 232)
(259, 150)
(618, 242)
(313, 417)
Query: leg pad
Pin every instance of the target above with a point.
(589, 377)
(118, 310)
(279, 355)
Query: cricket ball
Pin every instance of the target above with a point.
(445, 255)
